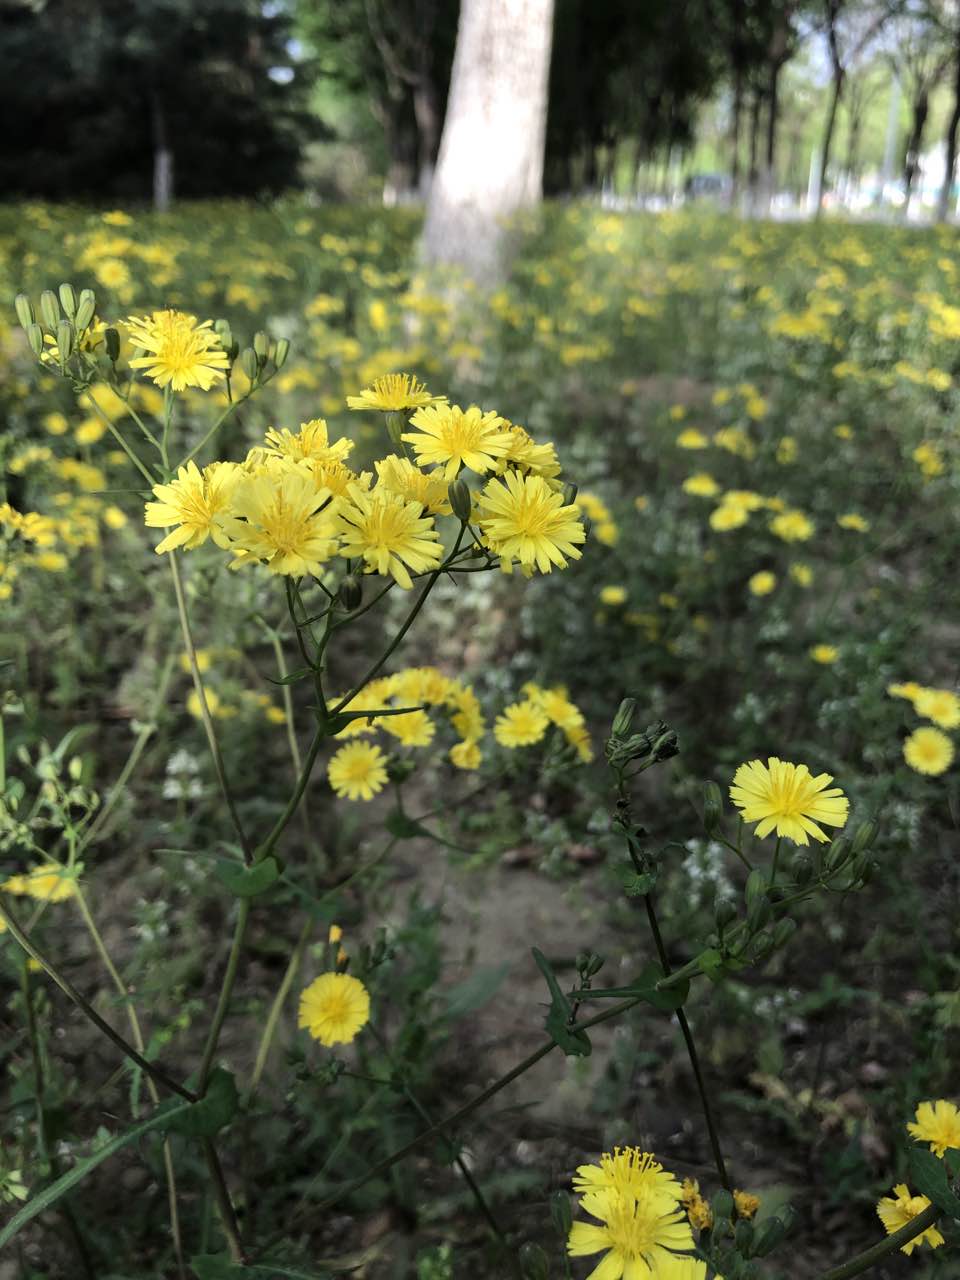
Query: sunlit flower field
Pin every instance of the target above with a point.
(754, 535)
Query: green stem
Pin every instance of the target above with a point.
(226, 991)
(290, 809)
(204, 709)
(691, 1049)
(864, 1261)
(234, 404)
(776, 860)
(150, 479)
(71, 992)
(224, 1204)
(279, 1000)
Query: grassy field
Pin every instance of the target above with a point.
(760, 421)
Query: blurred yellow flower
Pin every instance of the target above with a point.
(928, 751)
(334, 1008)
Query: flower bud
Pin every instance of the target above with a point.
(458, 495)
(350, 594)
(49, 309)
(768, 1236)
(865, 835)
(111, 340)
(570, 492)
(743, 1236)
(24, 309)
(395, 424)
(261, 344)
(862, 869)
(35, 338)
(561, 1211)
(68, 299)
(762, 945)
(712, 807)
(783, 931)
(534, 1263)
(802, 867)
(789, 1217)
(85, 309)
(838, 853)
(722, 1206)
(249, 363)
(624, 717)
(756, 887)
(281, 353)
(223, 331)
(65, 341)
(759, 913)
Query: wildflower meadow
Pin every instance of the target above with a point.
(478, 792)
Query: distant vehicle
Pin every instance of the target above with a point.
(707, 186)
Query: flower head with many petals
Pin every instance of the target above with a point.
(901, 1208)
(180, 351)
(394, 392)
(390, 534)
(193, 504)
(937, 1123)
(789, 798)
(281, 518)
(641, 1233)
(522, 519)
(334, 1008)
(928, 751)
(358, 771)
(451, 437)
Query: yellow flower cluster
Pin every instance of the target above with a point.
(927, 750)
(294, 504)
(524, 723)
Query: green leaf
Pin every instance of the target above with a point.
(402, 827)
(301, 673)
(644, 987)
(930, 1177)
(574, 1043)
(247, 882)
(636, 885)
(213, 1112)
(472, 994)
(162, 1118)
(218, 1266)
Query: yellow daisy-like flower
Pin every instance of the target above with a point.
(613, 595)
(523, 519)
(853, 521)
(358, 771)
(801, 574)
(400, 476)
(747, 1204)
(466, 755)
(451, 437)
(641, 1234)
(525, 453)
(682, 1267)
(789, 798)
(181, 352)
(762, 583)
(47, 883)
(942, 706)
(389, 533)
(825, 653)
(901, 1208)
(415, 729)
(792, 526)
(628, 1171)
(394, 392)
(928, 751)
(691, 438)
(193, 503)
(311, 442)
(908, 689)
(728, 516)
(520, 725)
(334, 1008)
(937, 1123)
(282, 519)
(701, 484)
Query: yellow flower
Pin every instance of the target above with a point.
(701, 485)
(46, 883)
(908, 689)
(613, 595)
(747, 1205)
(334, 1008)
(114, 518)
(937, 1123)
(522, 519)
(901, 1208)
(641, 1233)
(627, 1171)
(691, 438)
(698, 1210)
(787, 797)
(928, 751)
(525, 453)
(681, 1266)
(792, 526)
(389, 533)
(942, 706)
(193, 502)
(56, 424)
(400, 476)
(843, 431)
(281, 518)
(394, 392)
(415, 729)
(825, 653)
(520, 725)
(358, 771)
(728, 516)
(801, 574)
(310, 442)
(181, 352)
(451, 437)
(853, 521)
(51, 561)
(466, 755)
(762, 583)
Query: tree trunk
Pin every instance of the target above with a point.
(827, 140)
(911, 160)
(853, 152)
(946, 191)
(162, 156)
(491, 153)
(753, 176)
(770, 159)
(735, 138)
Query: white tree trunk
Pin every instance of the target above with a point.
(491, 152)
